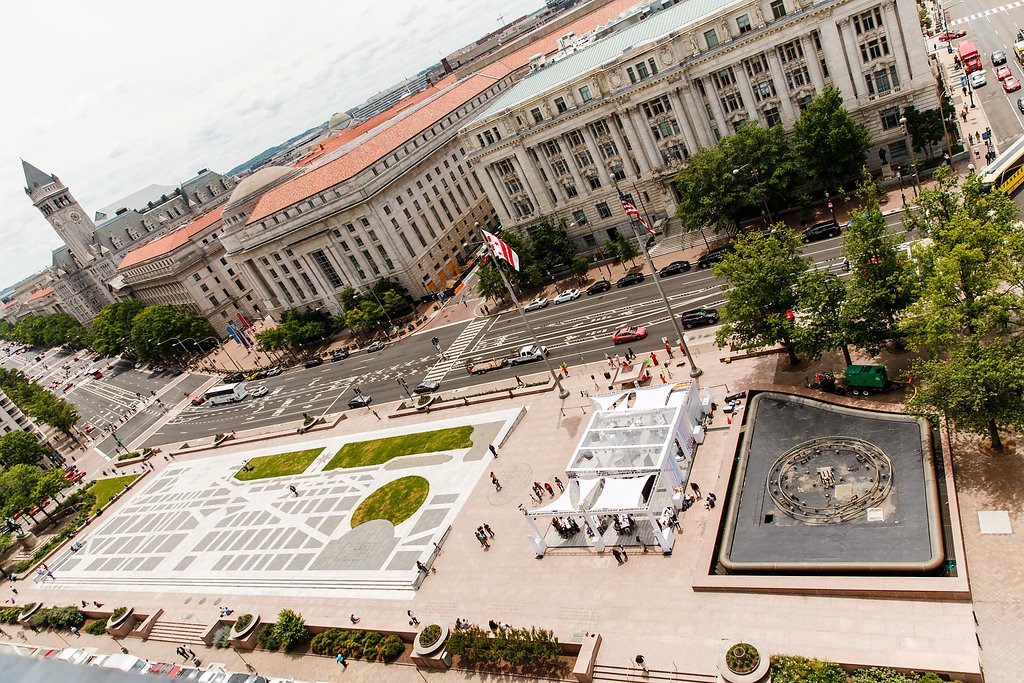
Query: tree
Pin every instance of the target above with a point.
(822, 297)
(882, 284)
(762, 278)
(163, 331)
(272, 339)
(832, 145)
(764, 164)
(580, 265)
(979, 386)
(709, 194)
(17, 486)
(20, 448)
(64, 330)
(624, 248)
(550, 244)
(488, 280)
(925, 128)
(54, 411)
(49, 484)
(112, 329)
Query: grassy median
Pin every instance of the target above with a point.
(279, 465)
(377, 451)
(396, 501)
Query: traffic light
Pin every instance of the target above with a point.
(435, 341)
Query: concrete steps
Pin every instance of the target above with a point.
(634, 674)
(178, 632)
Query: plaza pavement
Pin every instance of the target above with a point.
(645, 606)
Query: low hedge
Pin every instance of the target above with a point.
(57, 618)
(369, 645)
(96, 628)
(789, 669)
(289, 629)
(10, 615)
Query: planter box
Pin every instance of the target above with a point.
(123, 625)
(145, 455)
(434, 656)
(245, 639)
(27, 614)
(222, 439)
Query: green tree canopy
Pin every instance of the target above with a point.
(17, 488)
(20, 448)
(112, 329)
(550, 245)
(925, 128)
(882, 284)
(831, 144)
(762, 278)
(49, 484)
(56, 412)
(822, 297)
(165, 332)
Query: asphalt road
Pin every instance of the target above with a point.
(574, 332)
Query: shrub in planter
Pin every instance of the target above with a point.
(429, 635)
(879, 675)
(289, 629)
(368, 645)
(96, 628)
(118, 613)
(787, 669)
(10, 615)
(742, 658)
(242, 622)
(222, 638)
(59, 618)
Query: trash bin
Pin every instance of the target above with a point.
(607, 375)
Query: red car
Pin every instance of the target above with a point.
(952, 34)
(1003, 72)
(1011, 83)
(199, 400)
(629, 334)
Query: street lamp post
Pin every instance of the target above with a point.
(831, 206)
(754, 172)
(899, 174)
(913, 159)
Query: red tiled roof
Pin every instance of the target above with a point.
(40, 293)
(12, 302)
(399, 133)
(168, 243)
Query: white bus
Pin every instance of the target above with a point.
(225, 393)
(1006, 172)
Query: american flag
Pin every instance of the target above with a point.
(502, 250)
(633, 212)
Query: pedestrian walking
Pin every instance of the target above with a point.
(558, 483)
(188, 650)
(519, 382)
(74, 632)
(617, 555)
(642, 543)
(422, 567)
(492, 449)
(375, 413)
(622, 549)
(412, 618)
(481, 538)
(695, 487)
(712, 496)
(292, 489)
(639, 659)
(654, 358)
(181, 652)
(547, 487)
(487, 528)
(341, 660)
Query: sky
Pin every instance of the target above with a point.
(116, 95)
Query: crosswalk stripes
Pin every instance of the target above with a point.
(454, 352)
(988, 12)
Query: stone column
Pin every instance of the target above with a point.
(552, 179)
(496, 190)
(637, 148)
(843, 65)
(620, 144)
(790, 113)
(682, 118)
(570, 160)
(695, 109)
(904, 66)
(643, 131)
(590, 142)
(532, 183)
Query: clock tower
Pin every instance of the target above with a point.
(61, 210)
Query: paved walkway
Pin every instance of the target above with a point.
(645, 605)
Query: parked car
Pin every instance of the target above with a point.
(674, 268)
(998, 57)
(821, 231)
(537, 304)
(1003, 72)
(274, 371)
(340, 354)
(952, 34)
(977, 79)
(629, 279)
(629, 334)
(599, 287)
(256, 392)
(234, 378)
(313, 362)
(1020, 104)
(375, 346)
(199, 400)
(712, 257)
(360, 401)
(253, 376)
(699, 317)
(427, 387)
(568, 295)
(1011, 84)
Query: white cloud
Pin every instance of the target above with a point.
(117, 95)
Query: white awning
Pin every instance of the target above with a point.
(621, 494)
(575, 497)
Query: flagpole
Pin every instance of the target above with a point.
(640, 199)
(695, 372)
(562, 391)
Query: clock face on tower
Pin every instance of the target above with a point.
(74, 217)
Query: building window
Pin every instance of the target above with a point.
(790, 51)
(537, 116)
(560, 105)
(603, 211)
(874, 49)
(778, 9)
(657, 107)
(327, 268)
(878, 82)
(798, 77)
(580, 217)
(585, 93)
(711, 38)
(204, 288)
(197, 277)
(867, 21)
(213, 301)
(743, 23)
(772, 116)
(595, 182)
(384, 255)
(890, 117)
(309, 283)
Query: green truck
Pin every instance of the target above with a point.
(864, 380)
